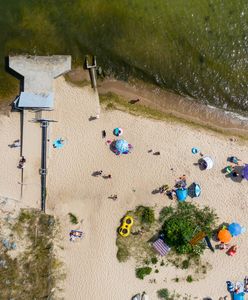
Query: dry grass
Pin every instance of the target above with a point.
(35, 271)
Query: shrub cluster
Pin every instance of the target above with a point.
(183, 222)
(142, 272)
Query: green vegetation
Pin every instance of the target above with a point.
(35, 271)
(189, 278)
(185, 264)
(183, 223)
(164, 294)
(122, 253)
(154, 260)
(142, 272)
(179, 224)
(147, 215)
(73, 218)
(135, 245)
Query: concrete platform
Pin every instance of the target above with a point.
(39, 71)
(38, 74)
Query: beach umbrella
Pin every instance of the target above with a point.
(181, 194)
(224, 236)
(121, 146)
(208, 162)
(235, 229)
(195, 150)
(245, 172)
(118, 131)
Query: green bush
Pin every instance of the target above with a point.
(154, 260)
(147, 215)
(73, 218)
(110, 106)
(162, 263)
(156, 271)
(163, 294)
(142, 272)
(165, 212)
(189, 278)
(185, 264)
(122, 254)
(180, 227)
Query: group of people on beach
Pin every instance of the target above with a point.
(234, 162)
(171, 193)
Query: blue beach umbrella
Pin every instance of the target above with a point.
(235, 229)
(195, 150)
(121, 146)
(181, 194)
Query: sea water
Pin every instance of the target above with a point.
(198, 48)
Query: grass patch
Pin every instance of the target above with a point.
(147, 215)
(185, 264)
(189, 278)
(35, 271)
(163, 294)
(122, 253)
(73, 218)
(142, 272)
(154, 260)
(136, 243)
(78, 81)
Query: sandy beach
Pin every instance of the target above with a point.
(93, 271)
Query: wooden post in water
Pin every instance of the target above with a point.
(92, 70)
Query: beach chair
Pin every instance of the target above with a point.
(75, 234)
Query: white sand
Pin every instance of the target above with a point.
(93, 271)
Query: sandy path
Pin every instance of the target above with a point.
(92, 269)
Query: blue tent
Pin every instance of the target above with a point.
(197, 190)
(121, 146)
(182, 194)
(239, 296)
(235, 229)
(194, 190)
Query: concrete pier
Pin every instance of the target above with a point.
(37, 96)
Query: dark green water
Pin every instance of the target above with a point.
(194, 47)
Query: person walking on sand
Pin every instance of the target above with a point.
(22, 162)
(97, 173)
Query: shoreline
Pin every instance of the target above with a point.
(181, 108)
